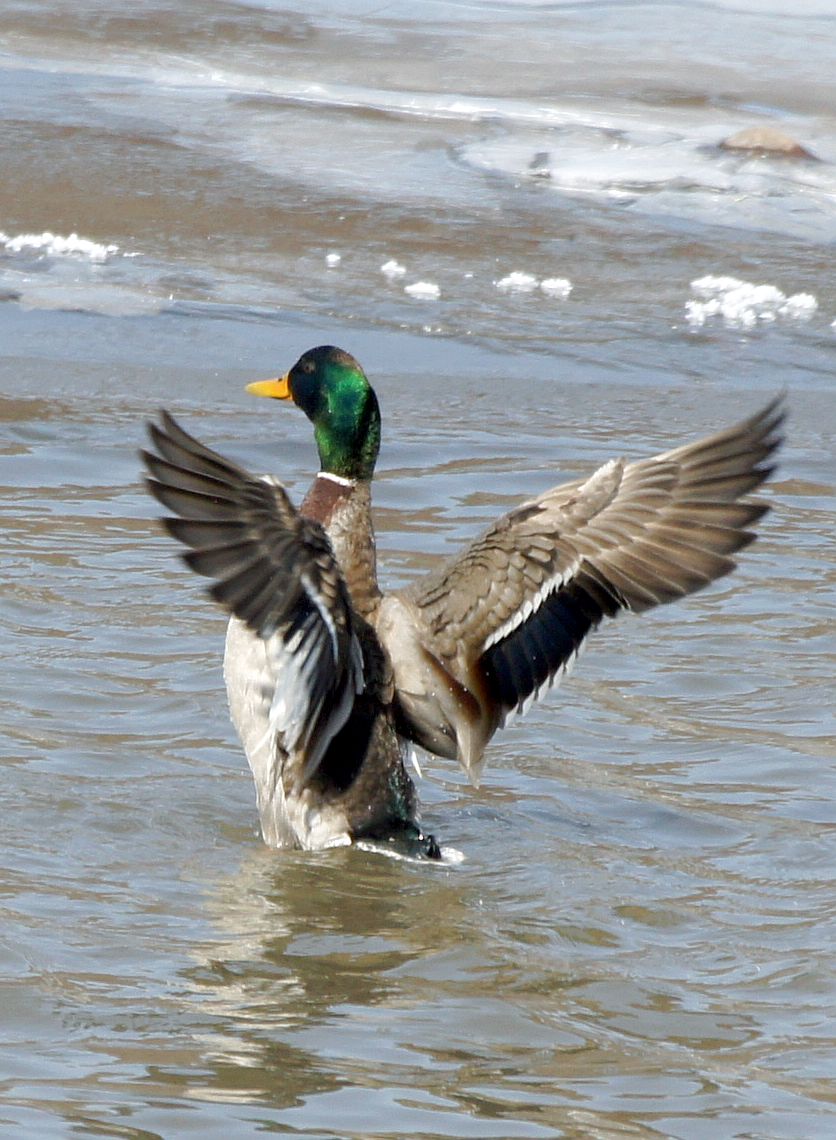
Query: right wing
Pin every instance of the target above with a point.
(276, 572)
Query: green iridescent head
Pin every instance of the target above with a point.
(332, 390)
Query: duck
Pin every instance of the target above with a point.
(331, 683)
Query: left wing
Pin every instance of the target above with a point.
(484, 635)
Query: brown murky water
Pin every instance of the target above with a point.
(640, 939)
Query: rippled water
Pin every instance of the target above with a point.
(639, 941)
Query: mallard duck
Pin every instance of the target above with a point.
(329, 681)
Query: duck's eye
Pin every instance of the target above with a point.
(307, 366)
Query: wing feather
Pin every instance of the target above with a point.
(507, 617)
(274, 570)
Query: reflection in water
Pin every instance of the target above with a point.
(356, 970)
(309, 944)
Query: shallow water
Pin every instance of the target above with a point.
(639, 941)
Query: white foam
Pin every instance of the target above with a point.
(54, 245)
(392, 269)
(742, 304)
(423, 290)
(332, 260)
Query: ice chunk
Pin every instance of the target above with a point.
(392, 269)
(743, 304)
(800, 306)
(54, 245)
(423, 290)
(556, 287)
(517, 282)
(712, 286)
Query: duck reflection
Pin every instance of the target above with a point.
(308, 944)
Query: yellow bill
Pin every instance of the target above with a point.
(277, 389)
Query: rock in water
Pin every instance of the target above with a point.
(767, 141)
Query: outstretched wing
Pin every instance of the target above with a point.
(275, 571)
(503, 620)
